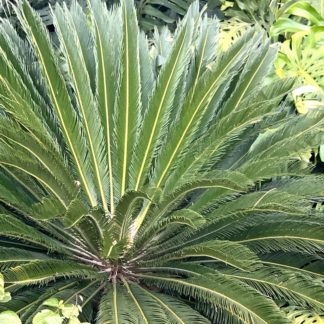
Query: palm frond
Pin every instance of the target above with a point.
(69, 40)
(59, 95)
(246, 302)
(161, 178)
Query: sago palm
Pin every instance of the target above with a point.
(154, 181)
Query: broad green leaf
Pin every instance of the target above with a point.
(305, 10)
(53, 302)
(4, 296)
(321, 152)
(287, 25)
(70, 310)
(74, 320)
(47, 316)
(7, 317)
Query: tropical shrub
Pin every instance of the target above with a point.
(262, 13)
(279, 16)
(160, 180)
(301, 54)
(299, 26)
(302, 57)
(298, 16)
(56, 311)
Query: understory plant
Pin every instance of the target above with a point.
(54, 311)
(300, 27)
(154, 181)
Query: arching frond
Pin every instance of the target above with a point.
(240, 300)
(44, 271)
(59, 96)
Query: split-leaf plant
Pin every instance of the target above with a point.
(156, 181)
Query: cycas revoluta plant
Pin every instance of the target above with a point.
(161, 181)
